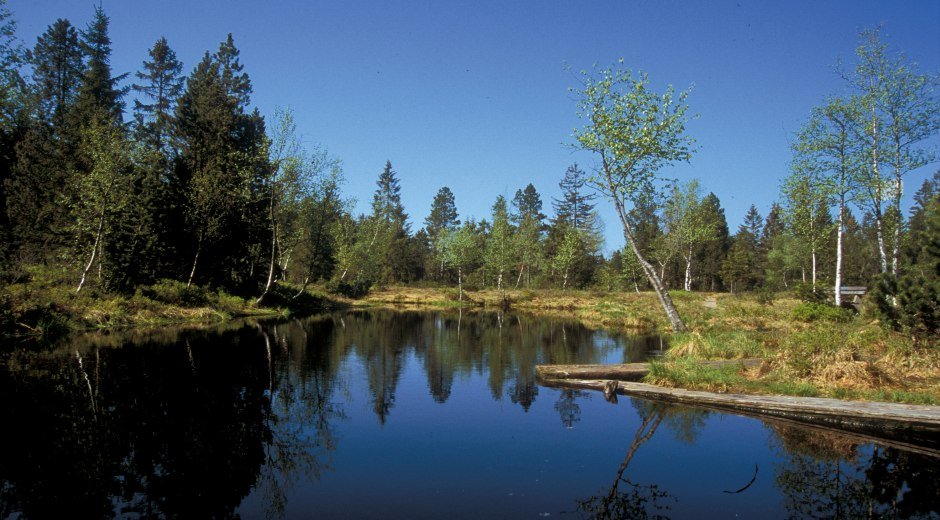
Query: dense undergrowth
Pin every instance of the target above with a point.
(41, 303)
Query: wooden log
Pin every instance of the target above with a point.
(910, 426)
(622, 372)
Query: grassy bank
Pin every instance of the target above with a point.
(807, 350)
(42, 305)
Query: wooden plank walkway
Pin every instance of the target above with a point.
(915, 427)
(622, 372)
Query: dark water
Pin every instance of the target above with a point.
(404, 415)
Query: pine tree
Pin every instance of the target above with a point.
(443, 216)
(161, 83)
(748, 239)
(527, 203)
(13, 114)
(443, 213)
(39, 190)
(98, 94)
(711, 253)
(57, 70)
(576, 210)
(575, 206)
(220, 171)
(530, 221)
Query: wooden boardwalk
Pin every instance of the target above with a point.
(621, 372)
(913, 427)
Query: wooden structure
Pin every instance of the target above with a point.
(855, 292)
(622, 372)
(910, 427)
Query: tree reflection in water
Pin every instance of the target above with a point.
(828, 475)
(180, 431)
(187, 422)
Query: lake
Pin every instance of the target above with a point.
(404, 414)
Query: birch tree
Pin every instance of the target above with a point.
(500, 250)
(103, 191)
(686, 225)
(459, 248)
(827, 141)
(901, 111)
(634, 132)
(806, 193)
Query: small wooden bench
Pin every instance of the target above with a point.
(855, 291)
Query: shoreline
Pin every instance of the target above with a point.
(854, 360)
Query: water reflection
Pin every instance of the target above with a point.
(188, 423)
(826, 475)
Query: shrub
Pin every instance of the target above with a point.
(354, 289)
(806, 293)
(765, 296)
(809, 311)
(173, 292)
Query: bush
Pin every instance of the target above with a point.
(765, 296)
(917, 308)
(354, 289)
(809, 311)
(806, 293)
(173, 292)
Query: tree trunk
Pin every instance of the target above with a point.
(688, 270)
(267, 286)
(195, 261)
(460, 283)
(655, 281)
(302, 288)
(896, 249)
(94, 254)
(876, 199)
(838, 287)
(814, 268)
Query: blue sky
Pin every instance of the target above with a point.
(474, 95)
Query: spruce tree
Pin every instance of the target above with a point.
(711, 253)
(527, 203)
(98, 94)
(443, 213)
(161, 83)
(219, 172)
(575, 209)
(443, 217)
(57, 70)
(575, 206)
(389, 244)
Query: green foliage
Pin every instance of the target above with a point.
(173, 292)
(814, 311)
(765, 296)
(688, 373)
(805, 292)
(357, 288)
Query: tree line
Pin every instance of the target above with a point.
(197, 186)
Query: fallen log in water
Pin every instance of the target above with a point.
(622, 372)
(915, 427)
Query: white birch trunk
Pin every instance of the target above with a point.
(94, 253)
(838, 286)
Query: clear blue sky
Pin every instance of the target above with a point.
(474, 95)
